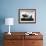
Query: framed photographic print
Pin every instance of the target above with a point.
(27, 16)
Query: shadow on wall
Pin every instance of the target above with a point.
(2, 21)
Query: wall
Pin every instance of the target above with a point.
(9, 8)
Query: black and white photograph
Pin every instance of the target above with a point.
(27, 15)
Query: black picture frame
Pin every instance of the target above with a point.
(27, 15)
